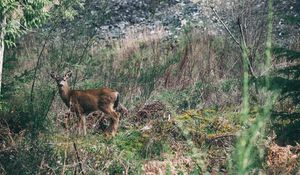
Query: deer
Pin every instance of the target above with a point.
(83, 102)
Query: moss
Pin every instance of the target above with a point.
(130, 143)
(130, 149)
(208, 122)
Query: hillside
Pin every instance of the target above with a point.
(204, 87)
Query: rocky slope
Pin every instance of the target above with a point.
(173, 15)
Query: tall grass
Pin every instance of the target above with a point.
(248, 155)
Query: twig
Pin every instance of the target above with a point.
(47, 166)
(75, 168)
(235, 40)
(50, 104)
(227, 29)
(82, 57)
(9, 134)
(125, 167)
(242, 33)
(37, 66)
(245, 46)
(78, 159)
(219, 136)
(42, 164)
(18, 77)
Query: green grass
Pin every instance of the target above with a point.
(130, 149)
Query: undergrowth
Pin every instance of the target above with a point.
(186, 138)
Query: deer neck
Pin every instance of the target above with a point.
(64, 93)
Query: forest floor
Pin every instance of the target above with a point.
(153, 141)
(150, 140)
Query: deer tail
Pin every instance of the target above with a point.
(117, 102)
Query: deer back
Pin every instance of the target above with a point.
(93, 99)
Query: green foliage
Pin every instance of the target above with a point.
(196, 171)
(130, 149)
(189, 98)
(21, 17)
(116, 168)
(80, 17)
(39, 109)
(131, 144)
(287, 54)
(154, 148)
(209, 122)
(24, 111)
(35, 114)
(92, 84)
(68, 9)
(8, 5)
(228, 85)
(27, 159)
(137, 72)
(105, 155)
(34, 13)
(4, 107)
(193, 96)
(293, 20)
(149, 75)
(286, 82)
(248, 154)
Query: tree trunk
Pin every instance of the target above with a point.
(2, 35)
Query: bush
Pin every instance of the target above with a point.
(27, 157)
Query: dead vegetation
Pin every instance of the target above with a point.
(152, 110)
(184, 127)
(282, 159)
(174, 165)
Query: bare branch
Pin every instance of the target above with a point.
(78, 159)
(242, 33)
(227, 29)
(235, 40)
(245, 46)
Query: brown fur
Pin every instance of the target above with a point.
(87, 101)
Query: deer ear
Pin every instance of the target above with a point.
(68, 74)
(53, 75)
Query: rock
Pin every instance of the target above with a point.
(124, 15)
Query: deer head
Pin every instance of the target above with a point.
(61, 80)
(63, 86)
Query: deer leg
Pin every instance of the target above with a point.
(66, 120)
(115, 119)
(115, 123)
(83, 119)
(81, 124)
(122, 109)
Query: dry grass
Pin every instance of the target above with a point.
(175, 165)
(282, 160)
(134, 41)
